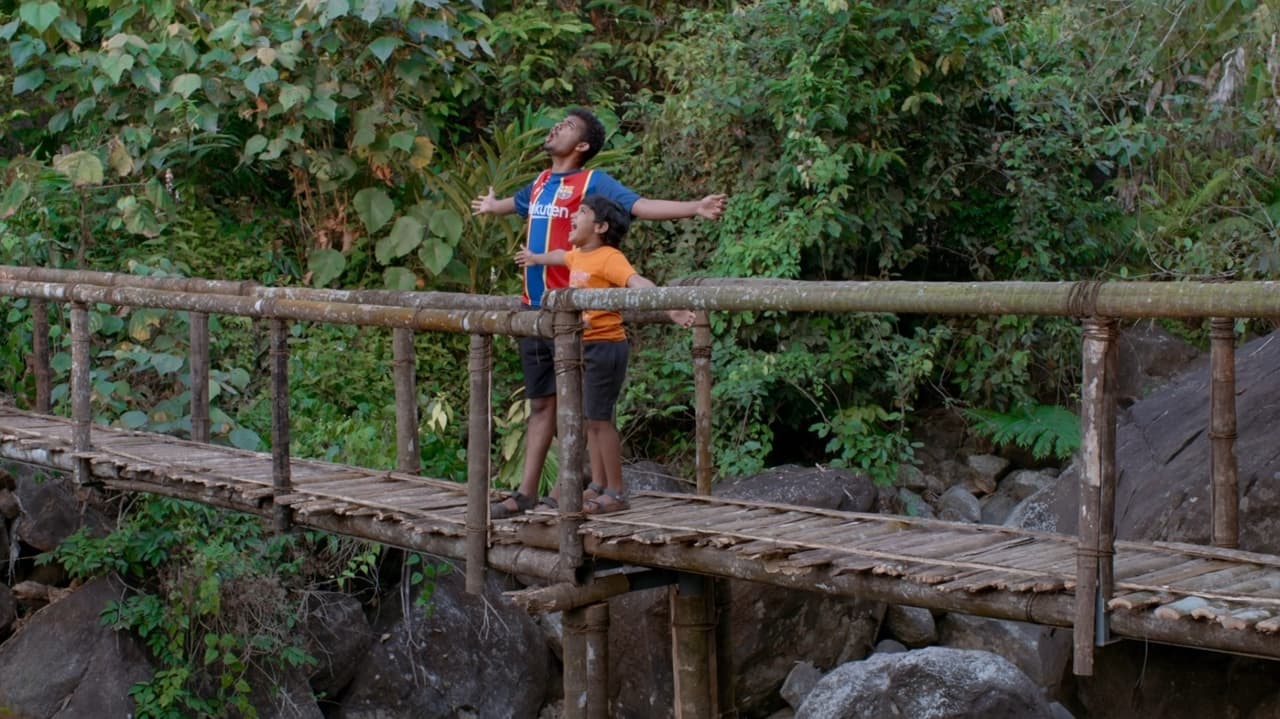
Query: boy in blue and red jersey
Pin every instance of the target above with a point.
(549, 203)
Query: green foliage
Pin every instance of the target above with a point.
(1045, 430)
(213, 609)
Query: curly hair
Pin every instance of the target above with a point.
(592, 132)
(608, 211)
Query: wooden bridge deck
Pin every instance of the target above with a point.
(1214, 598)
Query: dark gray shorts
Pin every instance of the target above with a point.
(602, 377)
(604, 370)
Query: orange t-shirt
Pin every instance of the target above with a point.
(600, 268)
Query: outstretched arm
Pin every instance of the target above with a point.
(525, 258)
(710, 207)
(490, 205)
(684, 318)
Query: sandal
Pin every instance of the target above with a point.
(616, 502)
(549, 502)
(500, 510)
(592, 491)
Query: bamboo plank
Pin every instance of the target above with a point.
(813, 558)
(1181, 608)
(1182, 571)
(1139, 600)
(1149, 562)
(1268, 626)
(1244, 618)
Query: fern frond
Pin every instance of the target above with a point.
(1042, 429)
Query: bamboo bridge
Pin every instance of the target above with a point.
(1213, 597)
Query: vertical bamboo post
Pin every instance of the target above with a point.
(404, 370)
(199, 332)
(478, 452)
(40, 356)
(81, 391)
(692, 647)
(1097, 453)
(280, 472)
(574, 622)
(567, 327)
(597, 660)
(1225, 497)
(725, 694)
(702, 402)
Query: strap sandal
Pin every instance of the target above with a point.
(592, 491)
(549, 502)
(502, 510)
(607, 503)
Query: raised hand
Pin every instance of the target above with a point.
(485, 204)
(712, 206)
(684, 318)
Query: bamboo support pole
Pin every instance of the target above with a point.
(404, 371)
(40, 355)
(81, 390)
(693, 642)
(478, 453)
(1224, 496)
(597, 646)
(1097, 478)
(567, 327)
(280, 471)
(702, 402)
(586, 662)
(199, 332)
(563, 596)
(726, 696)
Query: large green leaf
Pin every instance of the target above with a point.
(405, 237)
(83, 168)
(39, 15)
(259, 77)
(28, 81)
(17, 193)
(325, 266)
(399, 278)
(243, 438)
(384, 46)
(435, 255)
(447, 224)
(292, 95)
(186, 84)
(115, 63)
(374, 207)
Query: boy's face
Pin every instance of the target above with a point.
(584, 231)
(565, 136)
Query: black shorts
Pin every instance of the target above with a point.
(537, 359)
(604, 370)
(602, 377)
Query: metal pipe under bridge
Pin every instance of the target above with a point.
(1214, 597)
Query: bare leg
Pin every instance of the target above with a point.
(605, 448)
(541, 429)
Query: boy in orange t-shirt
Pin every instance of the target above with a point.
(595, 262)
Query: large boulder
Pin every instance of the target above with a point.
(931, 683)
(1162, 460)
(806, 486)
(64, 663)
(465, 656)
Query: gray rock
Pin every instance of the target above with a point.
(469, 656)
(653, 477)
(889, 646)
(986, 470)
(959, 505)
(912, 505)
(806, 486)
(913, 626)
(337, 635)
(64, 663)
(799, 683)
(8, 609)
(931, 683)
(1060, 712)
(1149, 356)
(1042, 653)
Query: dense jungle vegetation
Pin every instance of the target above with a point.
(337, 143)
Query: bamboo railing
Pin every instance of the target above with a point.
(1098, 304)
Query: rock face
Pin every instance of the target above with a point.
(65, 663)
(932, 683)
(806, 486)
(1162, 458)
(468, 657)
